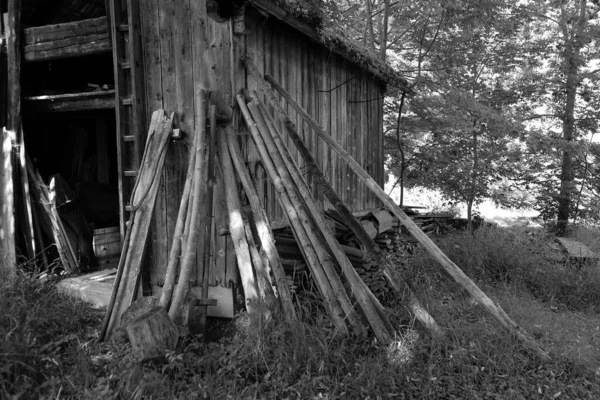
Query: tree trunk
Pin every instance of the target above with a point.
(370, 39)
(572, 62)
(384, 31)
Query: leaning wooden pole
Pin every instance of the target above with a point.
(455, 272)
(208, 213)
(175, 253)
(117, 283)
(189, 255)
(307, 194)
(236, 228)
(357, 228)
(262, 226)
(378, 321)
(317, 269)
(301, 205)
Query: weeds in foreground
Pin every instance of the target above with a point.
(40, 332)
(46, 348)
(493, 256)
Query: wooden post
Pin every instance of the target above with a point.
(13, 50)
(115, 288)
(455, 272)
(262, 226)
(175, 253)
(236, 228)
(143, 201)
(8, 260)
(189, 254)
(307, 194)
(379, 324)
(330, 295)
(208, 214)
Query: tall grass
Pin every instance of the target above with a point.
(46, 348)
(497, 256)
(39, 329)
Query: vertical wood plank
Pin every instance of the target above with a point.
(362, 139)
(333, 118)
(180, 99)
(151, 54)
(343, 130)
(325, 107)
(370, 134)
(220, 253)
(8, 267)
(160, 242)
(14, 123)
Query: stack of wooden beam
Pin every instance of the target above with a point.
(328, 262)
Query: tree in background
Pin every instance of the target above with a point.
(534, 62)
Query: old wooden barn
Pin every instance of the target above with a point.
(100, 98)
(85, 82)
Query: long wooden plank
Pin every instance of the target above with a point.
(163, 217)
(457, 274)
(151, 45)
(236, 227)
(49, 33)
(14, 123)
(103, 100)
(70, 47)
(8, 265)
(145, 198)
(262, 225)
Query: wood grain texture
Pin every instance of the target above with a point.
(49, 33)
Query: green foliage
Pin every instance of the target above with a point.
(496, 256)
(40, 334)
(46, 351)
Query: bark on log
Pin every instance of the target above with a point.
(189, 255)
(152, 334)
(175, 253)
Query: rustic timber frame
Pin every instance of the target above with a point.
(183, 50)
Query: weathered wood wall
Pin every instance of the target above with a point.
(183, 54)
(347, 101)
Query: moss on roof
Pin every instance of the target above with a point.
(313, 13)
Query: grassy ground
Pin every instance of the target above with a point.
(47, 347)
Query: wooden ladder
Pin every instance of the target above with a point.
(124, 26)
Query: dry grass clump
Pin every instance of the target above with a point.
(40, 332)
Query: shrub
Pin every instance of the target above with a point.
(38, 329)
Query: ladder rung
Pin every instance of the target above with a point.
(127, 102)
(123, 28)
(130, 173)
(125, 65)
(128, 138)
